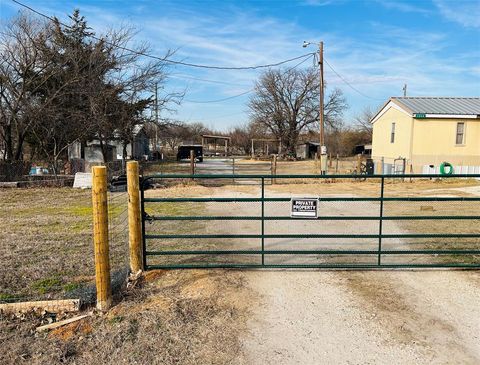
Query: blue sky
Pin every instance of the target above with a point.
(377, 46)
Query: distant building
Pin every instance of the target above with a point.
(307, 150)
(91, 151)
(139, 149)
(363, 149)
(212, 145)
(426, 131)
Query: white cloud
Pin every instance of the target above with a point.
(320, 2)
(466, 13)
(406, 7)
(378, 63)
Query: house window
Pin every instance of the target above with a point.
(460, 136)
(392, 133)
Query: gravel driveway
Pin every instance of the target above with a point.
(371, 317)
(356, 317)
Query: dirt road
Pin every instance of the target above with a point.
(354, 317)
(345, 317)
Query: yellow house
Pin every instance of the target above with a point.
(426, 131)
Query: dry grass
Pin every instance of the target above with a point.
(46, 242)
(178, 317)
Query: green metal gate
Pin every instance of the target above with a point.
(382, 233)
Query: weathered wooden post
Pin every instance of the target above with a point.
(274, 168)
(134, 217)
(100, 237)
(192, 162)
(359, 163)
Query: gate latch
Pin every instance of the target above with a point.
(147, 218)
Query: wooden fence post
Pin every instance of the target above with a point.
(100, 238)
(134, 217)
(192, 162)
(274, 168)
(359, 162)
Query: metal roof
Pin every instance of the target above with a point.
(440, 105)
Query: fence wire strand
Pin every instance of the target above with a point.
(46, 245)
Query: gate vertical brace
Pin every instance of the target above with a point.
(263, 221)
(380, 226)
(144, 241)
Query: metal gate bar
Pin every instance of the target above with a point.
(379, 252)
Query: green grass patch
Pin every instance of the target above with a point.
(115, 320)
(47, 285)
(79, 210)
(174, 209)
(5, 297)
(71, 287)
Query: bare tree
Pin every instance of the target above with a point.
(362, 121)
(59, 84)
(174, 133)
(286, 103)
(22, 72)
(242, 136)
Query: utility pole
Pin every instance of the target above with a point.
(322, 150)
(405, 90)
(156, 119)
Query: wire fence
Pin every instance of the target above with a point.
(118, 223)
(46, 249)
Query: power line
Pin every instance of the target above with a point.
(219, 100)
(245, 92)
(184, 77)
(164, 59)
(349, 84)
(214, 117)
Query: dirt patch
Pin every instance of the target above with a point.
(391, 301)
(65, 333)
(153, 275)
(371, 317)
(177, 317)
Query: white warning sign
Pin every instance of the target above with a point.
(304, 207)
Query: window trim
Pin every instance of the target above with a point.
(457, 134)
(392, 132)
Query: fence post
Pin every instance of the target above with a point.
(134, 217)
(380, 225)
(192, 162)
(274, 168)
(100, 238)
(263, 221)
